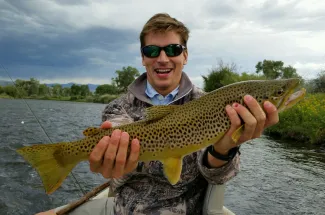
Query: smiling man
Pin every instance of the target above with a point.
(142, 188)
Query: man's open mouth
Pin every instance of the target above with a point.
(163, 71)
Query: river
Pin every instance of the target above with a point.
(275, 178)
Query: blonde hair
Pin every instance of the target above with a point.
(163, 22)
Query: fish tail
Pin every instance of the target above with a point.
(50, 163)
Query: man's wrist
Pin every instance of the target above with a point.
(215, 159)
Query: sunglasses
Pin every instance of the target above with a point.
(172, 50)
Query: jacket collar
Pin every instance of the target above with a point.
(138, 87)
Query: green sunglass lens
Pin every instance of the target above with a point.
(173, 50)
(151, 51)
(154, 51)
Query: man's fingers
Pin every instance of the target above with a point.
(234, 119)
(272, 114)
(249, 120)
(110, 154)
(134, 156)
(120, 160)
(106, 125)
(96, 156)
(258, 114)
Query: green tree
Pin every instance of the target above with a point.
(32, 87)
(66, 91)
(11, 90)
(22, 87)
(75, 90)
(220, 76)
(43, 90)
(125, 77)
(84, 90)
(320, 82)
(275, 69)
(57, 90)
(106, 89)
(289, 72)
(1, 90)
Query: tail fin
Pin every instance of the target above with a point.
(50, 163)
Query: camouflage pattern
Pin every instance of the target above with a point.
(146, 190)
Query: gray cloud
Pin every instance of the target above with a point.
(67, 40)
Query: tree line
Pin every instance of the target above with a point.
(34, 89)
(224, 74)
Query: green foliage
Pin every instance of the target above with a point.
(320, 82)
(106, 89)
(304, 121)
(316, 85)
(11, 91)
(43, 90)
(75, 90)
(225, 74)
(57, 90)
(275, 69)
(218, 77)
(125, 77)
(32, 89)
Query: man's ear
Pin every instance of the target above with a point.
(142, 56)
(185, 57)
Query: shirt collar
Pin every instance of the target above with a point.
(151, 92)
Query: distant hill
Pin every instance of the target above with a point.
(92, 87)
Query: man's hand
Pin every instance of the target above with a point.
(109, 156)
(255, 119)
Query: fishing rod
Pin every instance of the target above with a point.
(76, 182)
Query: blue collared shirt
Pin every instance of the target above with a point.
(158, 99)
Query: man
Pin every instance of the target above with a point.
(142, 188)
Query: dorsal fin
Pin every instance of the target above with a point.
(159, 111)
(91, 131)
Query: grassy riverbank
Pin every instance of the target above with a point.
(304, 122)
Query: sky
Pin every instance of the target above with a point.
(86, 41)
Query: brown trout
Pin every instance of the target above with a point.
(167, 133)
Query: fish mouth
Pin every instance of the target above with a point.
(292, 97)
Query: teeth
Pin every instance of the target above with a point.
(163, 70)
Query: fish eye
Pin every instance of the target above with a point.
(280, 91)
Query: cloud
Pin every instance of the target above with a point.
(88, 40)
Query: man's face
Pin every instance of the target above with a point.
(163, 72)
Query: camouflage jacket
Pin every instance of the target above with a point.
(146, 190)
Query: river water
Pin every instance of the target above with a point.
(275, 178)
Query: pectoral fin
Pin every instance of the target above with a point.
(173, 169)
(236, 135)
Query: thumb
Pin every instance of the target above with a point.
(106, 125)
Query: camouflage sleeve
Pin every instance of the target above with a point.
(116, 113)
(221, 174)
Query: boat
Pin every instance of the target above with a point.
(213, 203)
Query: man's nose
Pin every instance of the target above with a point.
(163, 58)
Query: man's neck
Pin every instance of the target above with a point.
(162, 91)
